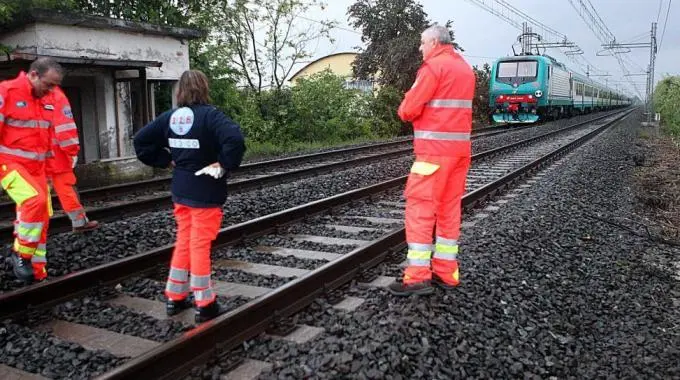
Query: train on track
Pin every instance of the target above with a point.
(529, 88)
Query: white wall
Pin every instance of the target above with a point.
(79, 42)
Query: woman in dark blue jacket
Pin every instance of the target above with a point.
(202, 144)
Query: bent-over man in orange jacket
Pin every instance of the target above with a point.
(27, 108)
(439, 105)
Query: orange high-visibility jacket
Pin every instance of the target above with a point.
(440, 105)
(25, 121)
(65, 143)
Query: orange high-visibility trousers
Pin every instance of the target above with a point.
(433, 194)
(32, 196)
(64, 185)
(196, 229)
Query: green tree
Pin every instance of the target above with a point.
(391, 31)
(11, 9)
(480, 104)
(266, 38)
(384, 119)
(163, 12)
(666, 101)
(326, 111)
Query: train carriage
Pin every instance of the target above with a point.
(529, 88)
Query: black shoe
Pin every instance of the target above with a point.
(437, 281)
(22, 268)
(174, 307)
(209, 312)
(398, 288)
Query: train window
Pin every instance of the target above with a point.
(524, 69)
(507, 69)
(527, 68)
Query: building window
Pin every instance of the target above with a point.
(361, 85)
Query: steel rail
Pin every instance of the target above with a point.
(163, 182)
(61, 223)
(51, 292)
(176, 358)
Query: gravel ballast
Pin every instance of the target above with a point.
(51, 357)
(550, 288)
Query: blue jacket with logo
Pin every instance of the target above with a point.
(193, 137)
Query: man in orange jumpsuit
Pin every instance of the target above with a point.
(60, 165)
(27, 107)
(439, 104)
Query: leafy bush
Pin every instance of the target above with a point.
(319, 109)
(666, 101)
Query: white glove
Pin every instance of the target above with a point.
(75, 161)
(214, 171)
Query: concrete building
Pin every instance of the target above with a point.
(113, 70)
(340, 64)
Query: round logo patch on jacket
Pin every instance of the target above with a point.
(182, 120)
(67, 112)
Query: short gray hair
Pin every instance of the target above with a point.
(439, 33)
(44, 64)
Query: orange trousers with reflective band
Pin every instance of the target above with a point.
(433, 194)
(196, 229)
(28, 189)
(64, 185)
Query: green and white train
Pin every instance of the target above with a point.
(529, 88)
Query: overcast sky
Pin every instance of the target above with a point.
(486, 37)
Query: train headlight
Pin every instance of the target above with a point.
(538, 93)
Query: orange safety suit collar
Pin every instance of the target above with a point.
(438, 50)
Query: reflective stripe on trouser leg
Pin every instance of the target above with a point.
(418, 267)
(29, 231)
(203, 293)
(175, 291)
(78, 218)
(445, 260)
(39, 262)
(205, 223)
(177, 287)
(39, 259)
(204, 297)
(29, 194)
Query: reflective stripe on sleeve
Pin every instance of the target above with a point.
(65, 127)
(449, 136)
(69, 142)
(22, 153)
(450, 103)
(27, 123)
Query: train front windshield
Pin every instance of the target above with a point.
(517, 69)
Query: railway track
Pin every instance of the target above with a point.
(323, 244)
(130, 199)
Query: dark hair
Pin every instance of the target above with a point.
(44, 64)
(193, 88)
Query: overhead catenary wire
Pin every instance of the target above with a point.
(665, 23)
